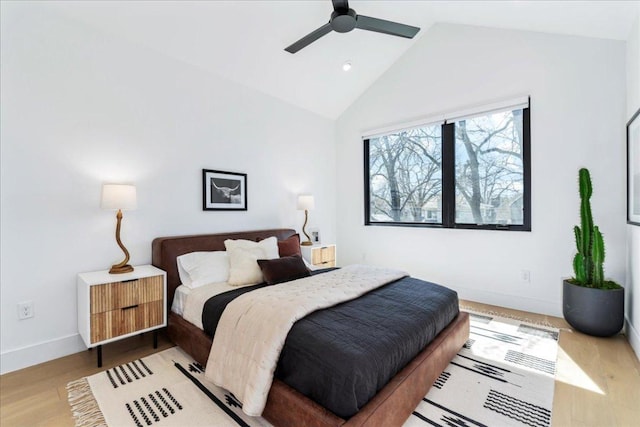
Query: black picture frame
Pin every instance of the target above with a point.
(224, 191)
(633, 169)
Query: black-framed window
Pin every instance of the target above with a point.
(472, 172)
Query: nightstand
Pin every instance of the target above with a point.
(321, 256)
(116, 306)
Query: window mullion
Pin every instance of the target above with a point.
(367, 189)
(526, 158)
(448, 175)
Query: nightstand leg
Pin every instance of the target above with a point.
(100, 356)
(155, 338)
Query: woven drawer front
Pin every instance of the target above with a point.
(125, 320)
(112, 296)
(324, 255)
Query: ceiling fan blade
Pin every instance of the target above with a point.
(340, 4)
(386, 27)
(309, 38)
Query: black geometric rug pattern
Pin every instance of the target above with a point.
(125, 374)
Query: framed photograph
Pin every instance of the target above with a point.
(633, 169)
(224, 191)
(315, 236)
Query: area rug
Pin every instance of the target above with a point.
(503, 376)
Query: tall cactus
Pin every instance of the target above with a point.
(587, 263)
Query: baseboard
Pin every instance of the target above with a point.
(633, 336)
(23, 357)
(517, 302)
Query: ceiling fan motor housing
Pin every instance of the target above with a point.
(343, 21)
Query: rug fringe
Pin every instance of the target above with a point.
(84, 406)
(509, 316)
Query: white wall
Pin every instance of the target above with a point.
(576, 87)
(80, 108)
(632, 288)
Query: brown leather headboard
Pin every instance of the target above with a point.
(165, 250)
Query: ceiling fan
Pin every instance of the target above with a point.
(343, 19)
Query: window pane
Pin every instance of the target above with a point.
(405, 176)
(489, 169)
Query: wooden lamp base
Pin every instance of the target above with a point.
(121, 267)
(306, 218)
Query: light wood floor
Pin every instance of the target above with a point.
(597, 381)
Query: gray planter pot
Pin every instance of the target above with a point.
(598, 312)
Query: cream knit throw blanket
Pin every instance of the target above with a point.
(253, 328)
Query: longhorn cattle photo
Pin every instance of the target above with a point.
(224, 190)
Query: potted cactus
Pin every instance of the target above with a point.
(591, 304)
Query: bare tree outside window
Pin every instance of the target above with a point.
(405, 176)
(489, 169)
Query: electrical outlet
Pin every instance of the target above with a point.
(25, 310)
(525, 276)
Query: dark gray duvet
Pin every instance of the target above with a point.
(341, 356)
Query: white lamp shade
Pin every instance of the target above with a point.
(305, 202)
(119, 196)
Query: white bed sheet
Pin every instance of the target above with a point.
(189, 303)
(177, 306)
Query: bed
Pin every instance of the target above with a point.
(285, 406)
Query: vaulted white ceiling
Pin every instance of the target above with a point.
(244, 40)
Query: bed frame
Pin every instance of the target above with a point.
(391, 406)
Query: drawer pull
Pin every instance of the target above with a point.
(131, 306)
(130, 280)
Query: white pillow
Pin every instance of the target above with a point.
(184, 276)
(243, 259)
(202, 268)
